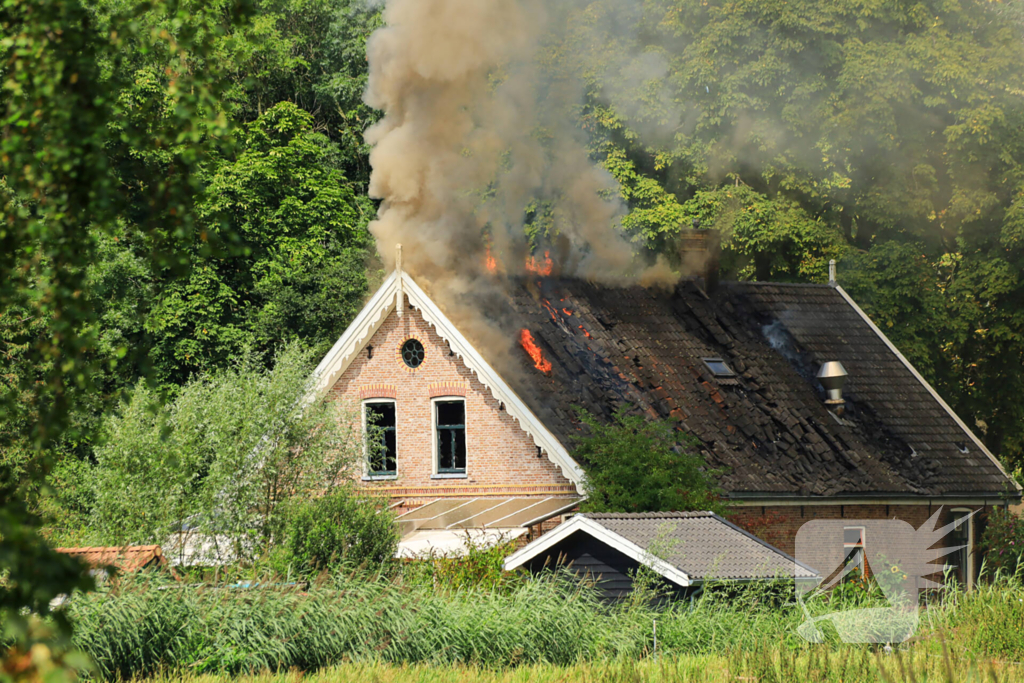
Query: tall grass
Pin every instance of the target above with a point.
(148, 625)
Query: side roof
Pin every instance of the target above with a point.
(398, 288)
(684, 547)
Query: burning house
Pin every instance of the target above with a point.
(791, 390)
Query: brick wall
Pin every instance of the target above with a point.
(501, 458)
(779, 525)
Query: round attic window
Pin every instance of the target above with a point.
(412, 353)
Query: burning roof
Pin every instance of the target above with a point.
(601, 347)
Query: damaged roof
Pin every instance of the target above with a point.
(766, 423)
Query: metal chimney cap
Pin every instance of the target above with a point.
(832, 375)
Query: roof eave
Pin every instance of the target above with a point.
(956, 418)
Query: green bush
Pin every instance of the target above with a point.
(635, 464)
(341, 528)
(1003, 542)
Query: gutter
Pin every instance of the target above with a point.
(776, 500)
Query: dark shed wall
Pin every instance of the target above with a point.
(592, 559)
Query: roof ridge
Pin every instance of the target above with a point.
(690, 514)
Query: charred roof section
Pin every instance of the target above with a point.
(767, 423)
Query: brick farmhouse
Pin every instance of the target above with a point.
(480, 439)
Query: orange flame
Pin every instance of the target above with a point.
(542, 268)
(530, 346)
(491, 262)
(584, 331)
(567, 312)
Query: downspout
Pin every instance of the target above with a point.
(694, 595)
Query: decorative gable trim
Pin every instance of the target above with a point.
(401, 286)
(945, 406)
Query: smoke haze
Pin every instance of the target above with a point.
(478, 144)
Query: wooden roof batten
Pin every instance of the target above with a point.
(398, 288)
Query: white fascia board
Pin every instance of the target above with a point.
(924, 382)
(377, 310)
(610, 538)
(866, 500)
(352, 341)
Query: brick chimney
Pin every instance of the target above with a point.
(699, 253)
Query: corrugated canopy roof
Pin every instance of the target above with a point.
(483, 513)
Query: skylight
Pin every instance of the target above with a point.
(718, 367)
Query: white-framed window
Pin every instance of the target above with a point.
(853, 549)
(963, 535)
(380, 429)
(450, 449)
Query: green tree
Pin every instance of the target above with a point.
(302, 242)
(634, 464)
(63, 124)
(221, 460)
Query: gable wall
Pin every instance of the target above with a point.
(501, 458)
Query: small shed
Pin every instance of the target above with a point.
(685, 548)
(126, 559)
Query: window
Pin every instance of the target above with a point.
(382, 441)
(450, 427)
(412, 353)
(718, 367)
(853, 547)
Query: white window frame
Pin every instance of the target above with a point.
(969, 572)
(435, 456)
(380, 476)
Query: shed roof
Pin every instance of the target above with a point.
(126, 559)
(684, 547)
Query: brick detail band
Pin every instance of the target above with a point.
(448, 388)
(471, 491)
(378, 390)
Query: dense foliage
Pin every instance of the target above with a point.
(1003, 542)
(222, 462)
(341, 529)
(887, 136)
(636, 464)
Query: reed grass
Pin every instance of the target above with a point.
(146, 626)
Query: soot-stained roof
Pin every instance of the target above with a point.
(767, 425)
